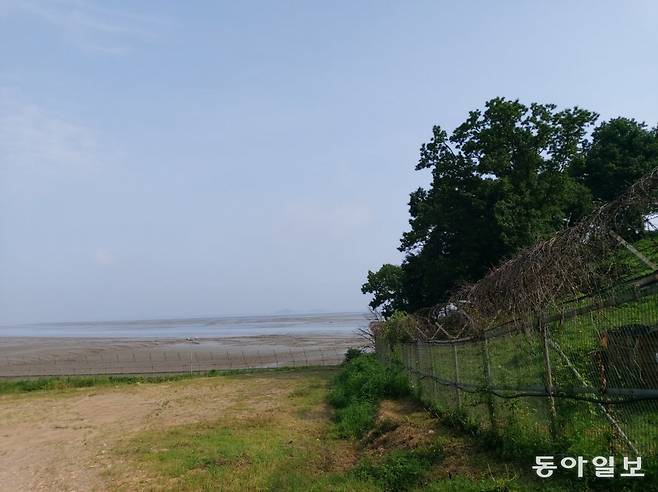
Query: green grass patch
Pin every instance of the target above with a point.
(468, 484)
(50, 383)
(400, 469)
(357, 389)
(288, 449)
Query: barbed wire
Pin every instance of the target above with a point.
(577, 263)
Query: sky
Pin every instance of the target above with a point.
(179, 159)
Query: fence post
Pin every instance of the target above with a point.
(487, 377)
(416, 357)
(548, 380)
(457, 381)
(425, 368)
(435, 375)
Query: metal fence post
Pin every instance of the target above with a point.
(548, 380)
(487, 377)
(416, 357)
(435, 375)
(457, 382)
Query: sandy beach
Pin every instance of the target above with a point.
(41, 356)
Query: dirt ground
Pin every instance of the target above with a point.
(63, 440)
(89, 438)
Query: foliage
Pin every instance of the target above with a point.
(352, 353)
(385, 285)
(508, 177)
(622, 150)
(498, 184)
(398, 328)
(359, 386)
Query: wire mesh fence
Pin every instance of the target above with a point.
(584, 374)
(166, 362)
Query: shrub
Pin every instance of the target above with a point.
(398, 328)
(352, 353)
(358, 387)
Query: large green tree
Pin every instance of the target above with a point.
(621, 151)
(498, 183)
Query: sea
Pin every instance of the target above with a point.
(333, 324)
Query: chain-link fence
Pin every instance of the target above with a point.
(167, 362)
(585, 375)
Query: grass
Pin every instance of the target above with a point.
(359, 386)
(400, 469)
(51, 383)
(468, 484)
(517, 362)
(299, 446)
(290, 448)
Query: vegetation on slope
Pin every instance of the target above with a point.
(510, 175)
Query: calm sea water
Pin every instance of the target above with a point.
(318, 324)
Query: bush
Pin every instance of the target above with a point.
(357, 389)
(352, 353)
(398, 328)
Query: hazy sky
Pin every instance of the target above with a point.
(205, 158)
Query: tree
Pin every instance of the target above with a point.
(499, 182)
(622, 150)
(386, 286)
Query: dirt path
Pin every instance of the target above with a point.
(61, 441)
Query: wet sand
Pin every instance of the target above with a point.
(42, 356)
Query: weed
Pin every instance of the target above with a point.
(359, 386)
(400, 469)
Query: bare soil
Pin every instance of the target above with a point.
(64, 440)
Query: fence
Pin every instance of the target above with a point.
(584, 377)
(166, 361)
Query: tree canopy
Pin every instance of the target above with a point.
(386, 287)
(510, 175)
(622, 150)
